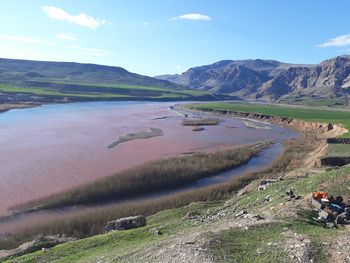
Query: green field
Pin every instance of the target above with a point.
(316, 102)
(316, 115)
(102, 91)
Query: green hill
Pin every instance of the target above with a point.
(25, 80)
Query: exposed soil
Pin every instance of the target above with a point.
(11, 106)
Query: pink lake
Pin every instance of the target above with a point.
(53, 147)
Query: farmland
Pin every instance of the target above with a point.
(306, 114)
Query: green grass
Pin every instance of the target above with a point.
(335, 182)
(237, 244)
(338, 150)
(101, 91)
(316, 102)
(115, 245)
(52, 92)
(263, 243)
(316, 115)
(127, 86)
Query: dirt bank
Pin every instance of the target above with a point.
(323, 130)
(10, 106)
(315, 134)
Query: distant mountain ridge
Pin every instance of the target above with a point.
(268, 78)
(28, 81)
(22, 72)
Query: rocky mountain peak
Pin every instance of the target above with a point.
(256, 78)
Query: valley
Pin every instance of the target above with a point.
(109, 150)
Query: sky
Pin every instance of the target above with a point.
(153, 37)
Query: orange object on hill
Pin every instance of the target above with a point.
(320, 195)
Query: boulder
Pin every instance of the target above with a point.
(125, 223)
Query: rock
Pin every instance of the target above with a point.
(290, 193)
(330, 224)
(263, 78)
(258, 217)
(109, 226)
(262, 187)
(241, 213)
(125, 223)
(242, 192)
(39, 243)
(190, 215)
(268, 198)
(156, 232)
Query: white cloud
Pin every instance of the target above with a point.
(91, 51)
(343, 40)
(178, 66)
(80, 19)
(192, 16)
(67, 36)
(145, 23)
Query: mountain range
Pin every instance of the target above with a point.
(269, 79)
(25, 72)
(42, 81)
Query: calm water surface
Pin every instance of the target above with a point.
(50, 148)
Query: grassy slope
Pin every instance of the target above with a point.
(316, 102)
(114, 91)
(317, 115)
(231, 245)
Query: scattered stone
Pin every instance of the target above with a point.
(262, 187)
(242, 192)
(125, 223)
(290, 193)
(191, 215)
(291, 196)
(340, 248)
(268, 198)
(264, 183)
(258, 217)
(298, 247)
(156, 232)
(330, 225)
(241, 213)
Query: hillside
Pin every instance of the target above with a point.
(41, 81)
(271, 229)
(28, 72)
(269, 79)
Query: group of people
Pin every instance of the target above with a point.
(332, 209)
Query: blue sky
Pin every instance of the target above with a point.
(169, 36)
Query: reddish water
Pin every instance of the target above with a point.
(51, 148)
